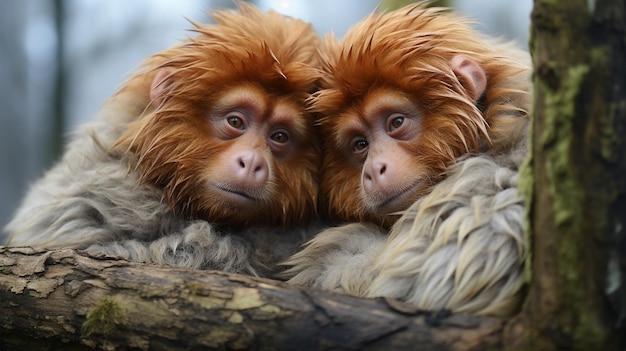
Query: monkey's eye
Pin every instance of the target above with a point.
(359, 145)
(280, 137)
(395, 123)
(235, 122)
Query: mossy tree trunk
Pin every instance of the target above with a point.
(577, 197)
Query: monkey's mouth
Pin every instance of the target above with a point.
(236, 196)
(400, 200)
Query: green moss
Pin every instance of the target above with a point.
(560, 144)
(194, 288)
(526, 185)
(610, 141)
(105, 317)
(557, 141)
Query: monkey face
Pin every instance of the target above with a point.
(265, 145)
(259, 134)
(227, 137)
(380, 136)
(398, 142)
(242, 156)
(378, 152)
(399, 102)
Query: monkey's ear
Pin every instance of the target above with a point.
(161, 85)
(470, 74)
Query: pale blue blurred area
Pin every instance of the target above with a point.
(105, 40)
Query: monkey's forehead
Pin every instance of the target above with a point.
(286, 39)
(413, 35)
(246, 44)
(409, 49)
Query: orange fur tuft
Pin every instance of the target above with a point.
(409, 50)
(171, 145)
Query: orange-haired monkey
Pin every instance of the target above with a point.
(210, 138)
(424, 124)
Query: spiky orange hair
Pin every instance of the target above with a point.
(169, 143)
(409, 50)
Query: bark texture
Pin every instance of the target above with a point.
(64, 299)
(576, 179)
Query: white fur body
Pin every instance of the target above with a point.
(461, 247)
(90, 195)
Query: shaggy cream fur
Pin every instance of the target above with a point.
(461, 247)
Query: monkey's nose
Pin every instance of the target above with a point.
(250, 168)
(375, 176)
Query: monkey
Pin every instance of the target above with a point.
(205, 158)
(424, 125)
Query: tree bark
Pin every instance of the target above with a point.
(576, 180)
(64, 299)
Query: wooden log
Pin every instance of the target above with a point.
(67, 299)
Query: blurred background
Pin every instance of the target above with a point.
(59, 61)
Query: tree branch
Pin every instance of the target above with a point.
(65, 298)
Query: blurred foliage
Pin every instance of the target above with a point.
(57, 133)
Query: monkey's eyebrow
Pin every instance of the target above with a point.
(282, 115)
(246, 97)
(381, 102)
(290, 116)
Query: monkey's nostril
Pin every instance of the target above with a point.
(383, 169)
